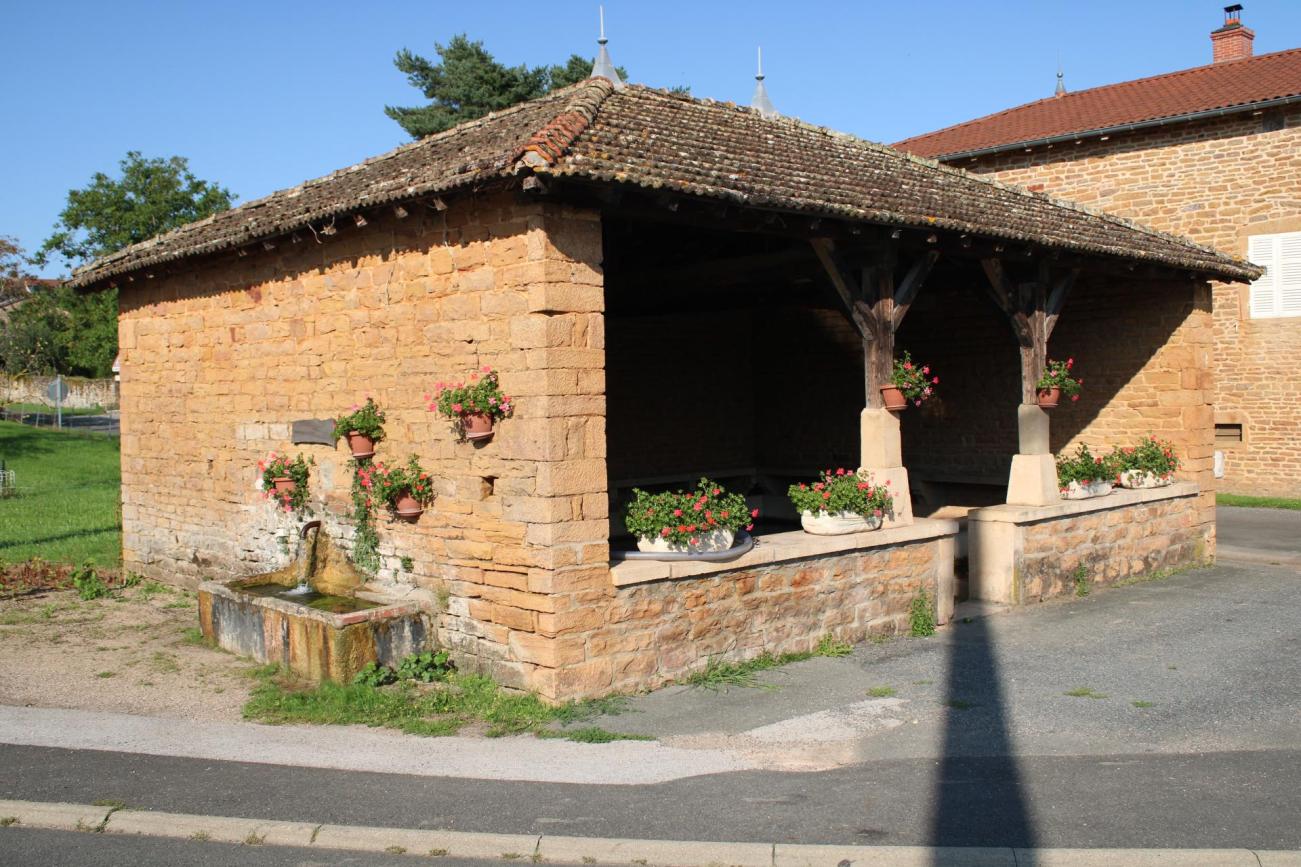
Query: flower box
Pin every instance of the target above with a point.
(714, 540)
(1144, 479)
(1086, 490)
(837, 523)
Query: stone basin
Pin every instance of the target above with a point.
(241, 615)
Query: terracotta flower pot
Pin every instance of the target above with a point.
(1048, 397)
(362, 446)
(284, 484)
(477, 425)
(407, 507)
(893, 398)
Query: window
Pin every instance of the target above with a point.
(1228, 433)
(1278, 292)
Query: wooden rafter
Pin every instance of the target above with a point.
(1032, 310)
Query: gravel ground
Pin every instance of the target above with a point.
(134, 652)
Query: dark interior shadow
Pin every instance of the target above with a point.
(980, 797)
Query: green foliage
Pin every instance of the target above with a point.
(881, 692)
(842, 491)
(1083, 467)
(88, 584)
(425, 711)
(831, 646)
(1057, 374)
(152, 196)
(1081, 580)
(1140, 703)
(367, 420)
(281, 467)
(365, 540)
(426, 667)
(1150, 456)
(1084, 692)
(407, 564)
(479, 396)
(467, 82)
(914, 380)
(921, 616)
(592, 735)
(14, 279)
(389, 484)
(681, 516)
(375, 674)
(61, 331)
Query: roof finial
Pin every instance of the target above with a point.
(1061, 80)
(604, 67)
(760, 101)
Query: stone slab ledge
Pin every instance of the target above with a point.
(1117, 499)
(783, 547)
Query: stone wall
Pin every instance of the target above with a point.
(1216, 182)
(220, 358)
(82, 393)
(1022, 554)
(660, 630)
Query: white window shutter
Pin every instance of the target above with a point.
(1287, 279)
(1262, 250)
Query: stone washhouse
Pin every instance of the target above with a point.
(669, 288)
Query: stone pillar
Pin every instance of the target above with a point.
(1033, 480)
(882, 455)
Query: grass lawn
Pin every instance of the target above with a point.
(66, 507)
(1257, 502)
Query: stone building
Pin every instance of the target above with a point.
(1212, 153)
(668, 288)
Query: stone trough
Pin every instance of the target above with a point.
(329, 634)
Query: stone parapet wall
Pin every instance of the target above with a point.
(1023, 554)
(782, 599)
(1217, 182)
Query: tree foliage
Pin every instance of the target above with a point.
(57, 330)
(153, 195)
(14, 279)
(467, 83)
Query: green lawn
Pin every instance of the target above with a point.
(1257, 502)
(66, 507)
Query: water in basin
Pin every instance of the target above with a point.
(318, 601)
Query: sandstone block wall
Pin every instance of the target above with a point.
(1022, 554)
(652, 633)
(220, 358)
(1217, 182)
(1110, 545)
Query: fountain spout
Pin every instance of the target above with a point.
(306, 557)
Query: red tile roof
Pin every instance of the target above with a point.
(1237, 83)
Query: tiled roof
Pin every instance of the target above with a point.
(1227, 85)
(654, 139)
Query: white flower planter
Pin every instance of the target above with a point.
(1086, 491)
(1144, 479)
(837, 523)
(714, 540)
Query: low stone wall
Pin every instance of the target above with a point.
(82, 393)
(667, 620)
(1023, 554)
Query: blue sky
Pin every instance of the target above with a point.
(262, 95)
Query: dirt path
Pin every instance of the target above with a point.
(138, 651)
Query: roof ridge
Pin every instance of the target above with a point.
(553, 140)
(1076, 94)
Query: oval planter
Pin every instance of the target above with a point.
(1144, 479)
(407, 507)
(1048, 397)
(837, 523)
(284, 485)
(362, 446)
(892, 397)
(714, 540)
(1086, 490)
(477, 426)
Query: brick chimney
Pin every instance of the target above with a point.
(1232, 41)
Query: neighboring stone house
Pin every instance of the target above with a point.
(1213, 153)
(669, 288)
